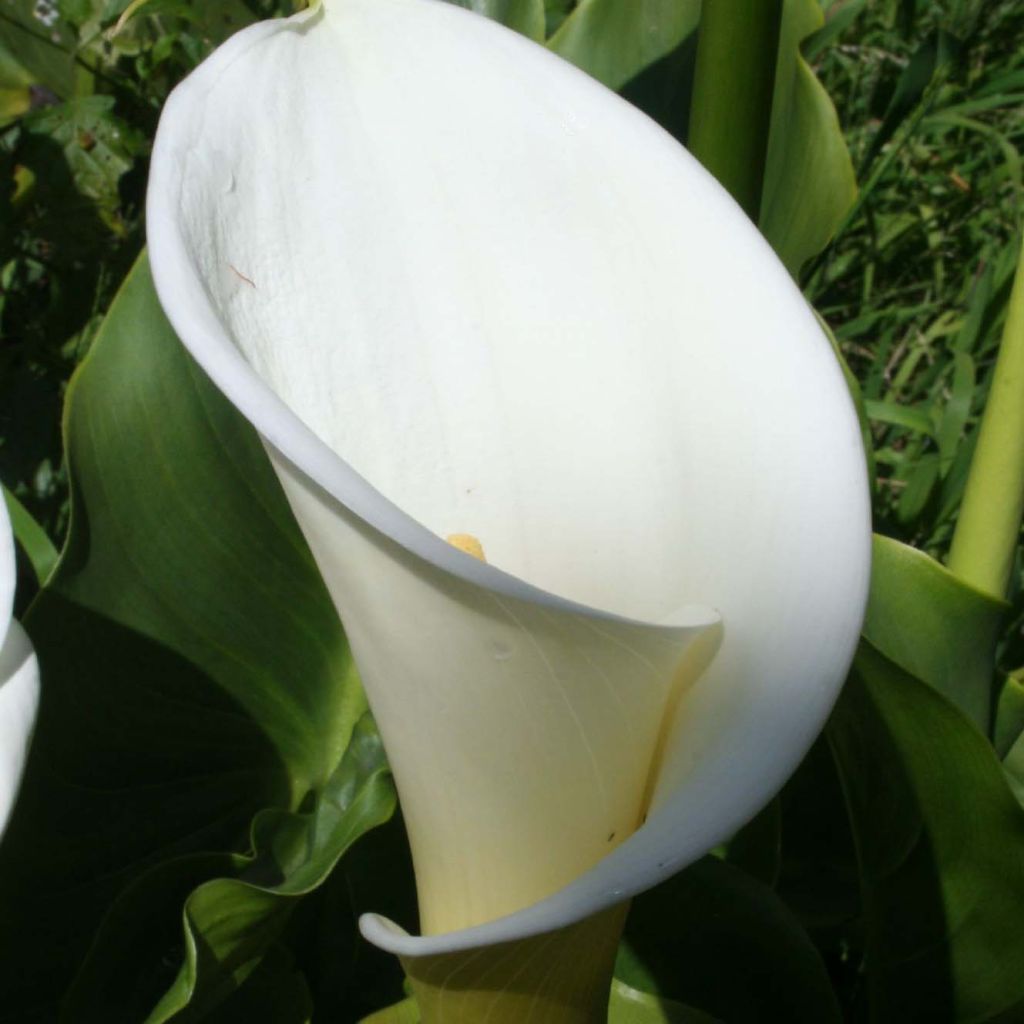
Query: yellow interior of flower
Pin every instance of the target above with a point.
(468, 543)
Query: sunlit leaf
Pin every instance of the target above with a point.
(809, 184)
(613, 41)
(934, 626)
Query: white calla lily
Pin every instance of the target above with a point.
(459, 287)
(19, 680)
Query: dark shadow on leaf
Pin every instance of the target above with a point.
(909, 973)
(139, 757)
(716, 939)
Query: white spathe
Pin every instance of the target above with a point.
(19, 680)
(459, 287)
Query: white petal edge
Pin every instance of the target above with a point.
(19, 680)
(8, 571)
(767, 694)
(19, 702)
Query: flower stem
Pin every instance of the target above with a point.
(730, 111)
(987, 531)
(562, 977)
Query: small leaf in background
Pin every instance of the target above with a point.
(929, 62)
(195, 673)
(98, 146)
(920, 483)
(958, 408)
(900, 416)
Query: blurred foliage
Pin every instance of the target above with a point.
(79, 103)
(916, 283)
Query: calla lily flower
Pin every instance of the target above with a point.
(19, 680)
(460, 288)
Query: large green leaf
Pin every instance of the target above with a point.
(717, 939)
(613, 41)
(939, 839)
(934, 626)
(195, 674)
(809, 184)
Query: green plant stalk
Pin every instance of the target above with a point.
(560, 977)
(730, 112)
(987, 532)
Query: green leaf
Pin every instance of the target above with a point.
(275, 993)
(958, 408)
(629, 1005)
(715, 938)
(1013, 764)
(98, 146)
(526, 16)
(920, 486)
(1010, 713)
(405, 1012)
(840, 16)
(613, 41)
(37, 546)
(1009, 733)
(934, 626)
(928, 63)
(15, 87)
(232, 922)
(809, 185)
(939, 838)
(757, 848)
(41, 42)
(195, 674)
(895, 415)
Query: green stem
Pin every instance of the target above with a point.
(730, 112)
(987, 532)
(561, 977)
